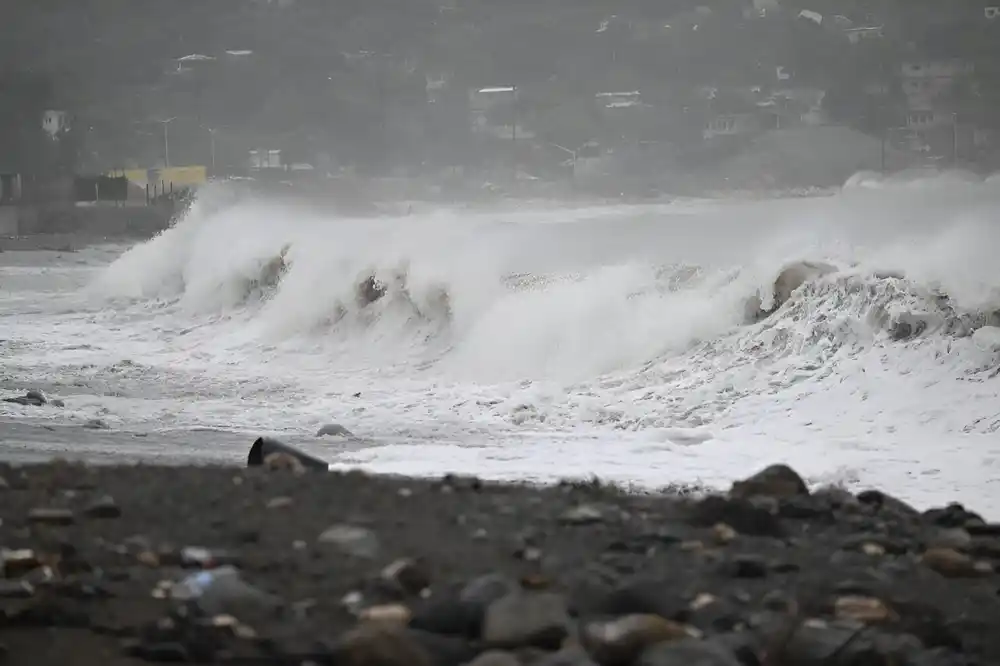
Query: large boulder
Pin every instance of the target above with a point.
(791, 277)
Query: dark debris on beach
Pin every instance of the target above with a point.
(276, 564)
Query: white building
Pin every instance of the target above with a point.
(55, 122)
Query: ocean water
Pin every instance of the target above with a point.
(542, 342)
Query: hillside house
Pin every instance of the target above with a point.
(927, 119)
(864, 34)
(494, 113)
(733, 125)
(55, 122)
(926, 82)
(619, 100)
(795, 107)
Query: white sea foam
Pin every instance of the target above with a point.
(564, 341)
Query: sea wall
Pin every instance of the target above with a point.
(110, 220)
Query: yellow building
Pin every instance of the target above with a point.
(179, 177)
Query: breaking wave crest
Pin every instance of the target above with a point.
(629, 306)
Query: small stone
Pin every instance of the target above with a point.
(149, 559)
(388, 613)
(887, 504)
(688, 652)
(96, 424)
(57, 403)
(778, 601)
(523, 619)
(484, 590)
(495, 658)
(352, 601)
(703, 600)
(104, 507)
(284, 462)
(165, 653)
(16, 589)
(535, 581)
(571, 655)
(17, 563)
(36, 395)
(410, 575)
(529, 554)
(872, 549)
(724, 533)
(379, 643)
(863, 609)
(206, 558)
(622, 640)
(738, 513)
(356, 541)
(585, 514)
(774, 481)
(51, 516)
(333, 430)
(278, 502)
(748, 566)
(952, 564)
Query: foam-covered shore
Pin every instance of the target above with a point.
(118, 565)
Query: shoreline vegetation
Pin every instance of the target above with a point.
(280, 564)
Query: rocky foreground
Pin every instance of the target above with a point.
(279, 565)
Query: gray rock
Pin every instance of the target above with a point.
(352, 540)
(774, 481)
(622, 640)
(537, 619)
(96, 424)
(410, 576)
(334, 430)
(747, 566)
(51, 516)
(954, 537)
(484, 590)
(104, 507)
(36, 395)
(689, 652)
(222, 591)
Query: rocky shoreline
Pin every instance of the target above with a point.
(277, 564)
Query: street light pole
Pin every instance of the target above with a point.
(211, 133)
(513, 132)
(166, 140)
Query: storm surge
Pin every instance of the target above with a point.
(867, 320)
(579, 293)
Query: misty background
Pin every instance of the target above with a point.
(652, 94)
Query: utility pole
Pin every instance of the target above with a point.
(954, 140)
